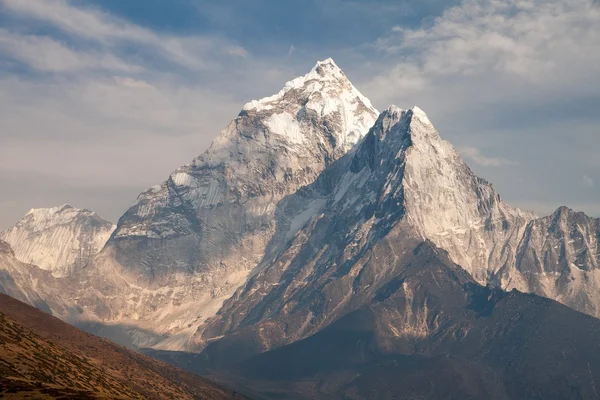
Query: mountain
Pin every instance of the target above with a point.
(364, 303)
(317, 250)
(31, 284)
(186, 245)
(558, 257)
(401, 180)
(431, 333)
(268, 228)
(42, 357)
(60, 240)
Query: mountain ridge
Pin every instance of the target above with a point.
(187, 244)
(312, 165)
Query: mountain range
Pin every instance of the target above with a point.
(316, 225)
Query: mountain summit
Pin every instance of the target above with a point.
(60, 239)
(306, 208)
(187, 244)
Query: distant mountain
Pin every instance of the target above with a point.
(60, 240)
(31, 284)
(42, 357)
(558, 257)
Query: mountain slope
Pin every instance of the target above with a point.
(401, 182)
(367, 205)
(61, 239)
(30, 284)
(559, 258)
(283, 212)
(435, 334)
(187, 244)
(40, 355)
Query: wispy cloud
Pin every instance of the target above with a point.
(46, 54)
(291, 50)
(236, 51)
(113, 33)
(475, 155)
(588, 181)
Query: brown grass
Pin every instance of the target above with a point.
(42, 357)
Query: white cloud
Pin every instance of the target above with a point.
(133, 83)
(474, 154)
(46, 54)
(89, 23)
(111, 32)
(588, 181)
(488, 44)
(236, 51)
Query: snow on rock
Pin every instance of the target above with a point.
(457, 210)
(307, 196)
(285, 124)
(186, 245)
(60, 239)
(401, 184)
(33, 285)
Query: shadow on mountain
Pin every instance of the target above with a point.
(431, 333)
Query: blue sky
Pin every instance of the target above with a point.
(100, 99)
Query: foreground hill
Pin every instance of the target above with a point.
(42, 357)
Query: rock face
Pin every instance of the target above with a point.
(430, 332)
(558, 257)
(187, 244)
(293, 218)
(402, 182)
(31, 284)
(60, 240)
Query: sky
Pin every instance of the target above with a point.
(100, 99)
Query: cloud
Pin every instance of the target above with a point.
(46, 54)
(133, 83)
(547, 44)
(115, 33)
(588, 181)
(474, 154)
(236, 51)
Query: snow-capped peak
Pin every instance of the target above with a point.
(421, 115)
(323, 77)
(38, 219)
(49, 210)
(58, 238)
(327, 69)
